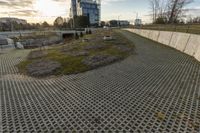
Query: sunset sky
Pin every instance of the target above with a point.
(48, 10)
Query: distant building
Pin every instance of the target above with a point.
(90, 8)
(124, 23)
(138, 22)
(9, 20)
(116, 23)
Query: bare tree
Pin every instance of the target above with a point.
(155, 6)
(170, 10)
(176, 9)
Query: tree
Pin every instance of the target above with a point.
(176, 9)
(45, 24)
(154, 5)
(169, 10)
(103, 23)
(160, 20)
(58, 22)
(81, 21)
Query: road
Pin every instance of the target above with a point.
(155, 90)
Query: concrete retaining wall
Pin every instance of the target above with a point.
(165, 37)
(182, 41)
(193, 45)
(153, 35)
(197, 54)
(187, 43)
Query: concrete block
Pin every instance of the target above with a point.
(193, 44)
(182, 40)
(173, 41)
(146, 33)
(165, 37)
(153, 35)
(137, 31)
(141, 32)
(197, 54)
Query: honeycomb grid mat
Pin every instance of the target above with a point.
(123, 97)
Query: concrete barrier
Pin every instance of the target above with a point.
(182, 40)
(153, 35)
(146, 33)
(137, 31)
(192, 45)
(197, 54)
(179, 41)
(187, 43)
(165, 37)
(142, 33)
(173, 41)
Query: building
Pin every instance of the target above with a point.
(90, 8)
(124, 23)
(138, 22)
(118, 23)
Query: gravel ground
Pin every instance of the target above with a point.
(41, 68)
(156, 90)
(99, 60)
(95, 47)
(78, 53)
(37, 54)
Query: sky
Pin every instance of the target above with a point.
(47, 10)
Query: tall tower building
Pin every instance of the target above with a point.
(73, 8)
(90, 8)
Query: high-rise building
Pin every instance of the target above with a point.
(90, 8)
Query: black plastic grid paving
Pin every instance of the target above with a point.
(122, 97)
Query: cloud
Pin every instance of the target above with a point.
(16, 3)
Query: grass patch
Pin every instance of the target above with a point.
(185, 28)
(22, 65)
(72, 55)
(160, 116)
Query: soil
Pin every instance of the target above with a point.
(99, 60)
(41, 68)
(37, 54)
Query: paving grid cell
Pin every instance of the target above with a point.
(122, 97)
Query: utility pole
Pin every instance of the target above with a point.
(11, 25)
(119, 21)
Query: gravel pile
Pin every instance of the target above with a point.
(42, 68)
(99, 60)
(37, 54)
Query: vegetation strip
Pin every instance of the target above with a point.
(80, 55)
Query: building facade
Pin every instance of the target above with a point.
(90, 8)
(118, 23)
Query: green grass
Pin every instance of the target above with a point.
(22, 65)
(160, 115)
(73, 64)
